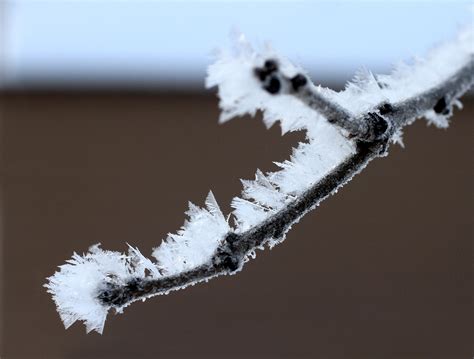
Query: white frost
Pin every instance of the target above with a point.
(76, 285)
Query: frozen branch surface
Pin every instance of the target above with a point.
(344, 131)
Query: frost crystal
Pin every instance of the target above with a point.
(197, 240)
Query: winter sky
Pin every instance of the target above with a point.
(162, 43)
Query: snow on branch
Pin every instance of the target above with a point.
(344, 131)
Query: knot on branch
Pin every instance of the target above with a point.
(229, 255)
(376, 127)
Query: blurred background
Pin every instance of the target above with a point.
(107, 132)
(169, 44)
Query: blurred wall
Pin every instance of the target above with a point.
(381, 270)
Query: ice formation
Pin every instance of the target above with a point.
(75, 286)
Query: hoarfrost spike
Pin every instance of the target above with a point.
(213, 207)
(262, 180)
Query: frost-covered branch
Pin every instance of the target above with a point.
(300, 86)
(436, 103)
(344, 130)
(367, 128)
(371, 126)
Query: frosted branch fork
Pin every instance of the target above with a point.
(345, 131)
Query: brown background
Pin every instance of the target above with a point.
(381, 270)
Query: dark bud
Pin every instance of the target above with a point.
(269, 67)
(266, 75)
(441, 106)
(385, 108)
(260, 73)
(298, 81)
(273, 85)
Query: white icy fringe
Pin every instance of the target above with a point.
(76, 285)
(406, 81)
(197, 240)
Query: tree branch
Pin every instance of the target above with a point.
(371, 142)
(345, 131)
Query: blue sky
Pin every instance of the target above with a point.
(163, 43)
